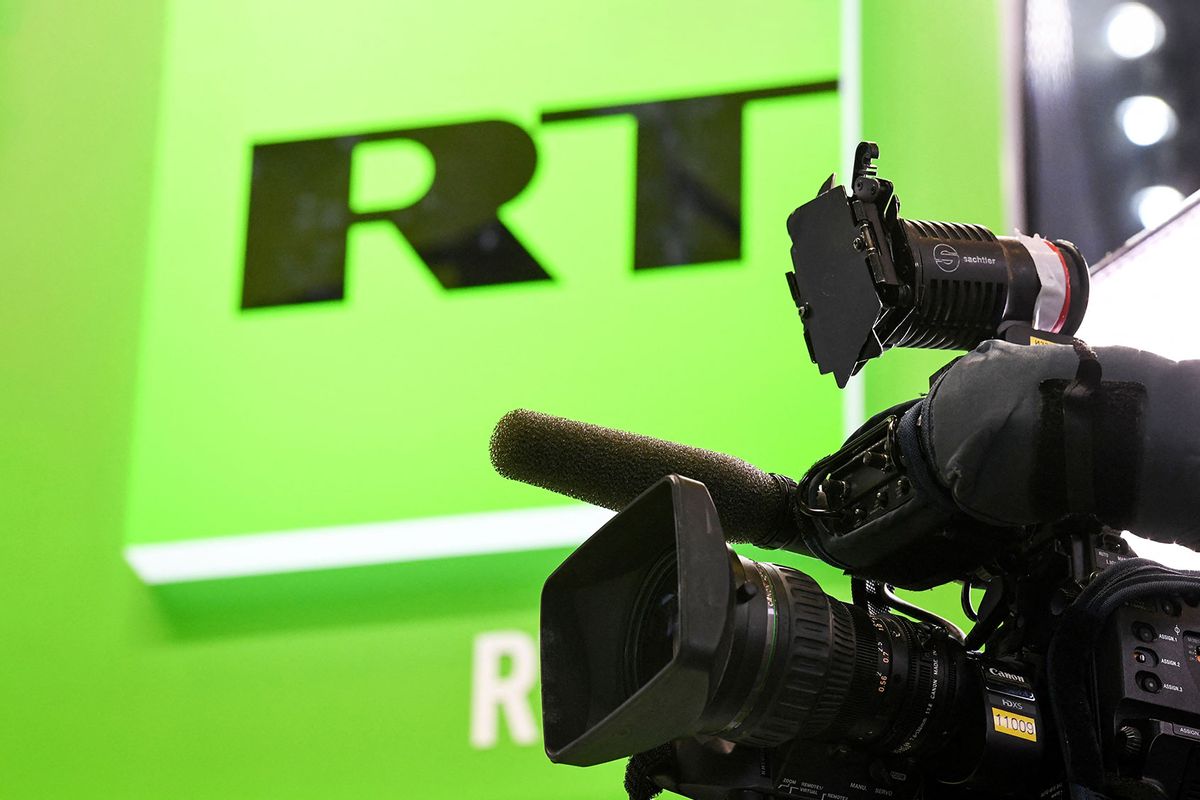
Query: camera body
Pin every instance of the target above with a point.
(724, 678)
(737, 679)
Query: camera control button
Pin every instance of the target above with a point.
(1144, 632)
(1144, 655)
(1149, 682)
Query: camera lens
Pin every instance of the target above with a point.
(804, 665)
(655, 624)
(654, 631)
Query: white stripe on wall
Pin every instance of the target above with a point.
(363, 544)
(854, 401)
(1012, 139)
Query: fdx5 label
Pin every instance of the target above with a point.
(688, 177)
(1014, 724)
(1010, 693)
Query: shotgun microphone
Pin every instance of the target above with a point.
(610, 468)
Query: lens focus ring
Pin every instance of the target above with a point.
(818, 667)
(831, 672)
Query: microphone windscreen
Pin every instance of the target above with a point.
(610, 468)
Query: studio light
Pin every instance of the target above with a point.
(1156, 204)
(1146, 119)
(1134, 30)
(1142, 294)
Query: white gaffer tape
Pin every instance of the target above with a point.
(364, 544)
(1050, 310)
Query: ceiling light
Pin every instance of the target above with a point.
(1133, 30)
(1146, 119)
(1154, 205)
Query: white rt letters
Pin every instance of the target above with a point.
(492, 691)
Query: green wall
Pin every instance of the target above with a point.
(932, 99)
(296, 686)
(374, 406)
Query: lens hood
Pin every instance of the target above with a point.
(592, 711)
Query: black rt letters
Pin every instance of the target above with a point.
(688, 205)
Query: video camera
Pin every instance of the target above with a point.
(726, 678)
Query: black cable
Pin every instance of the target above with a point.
(965, 598)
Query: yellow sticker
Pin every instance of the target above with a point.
(1014, 724)
(1036, 340)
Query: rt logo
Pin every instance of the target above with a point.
(687, 204)
(946, 257)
